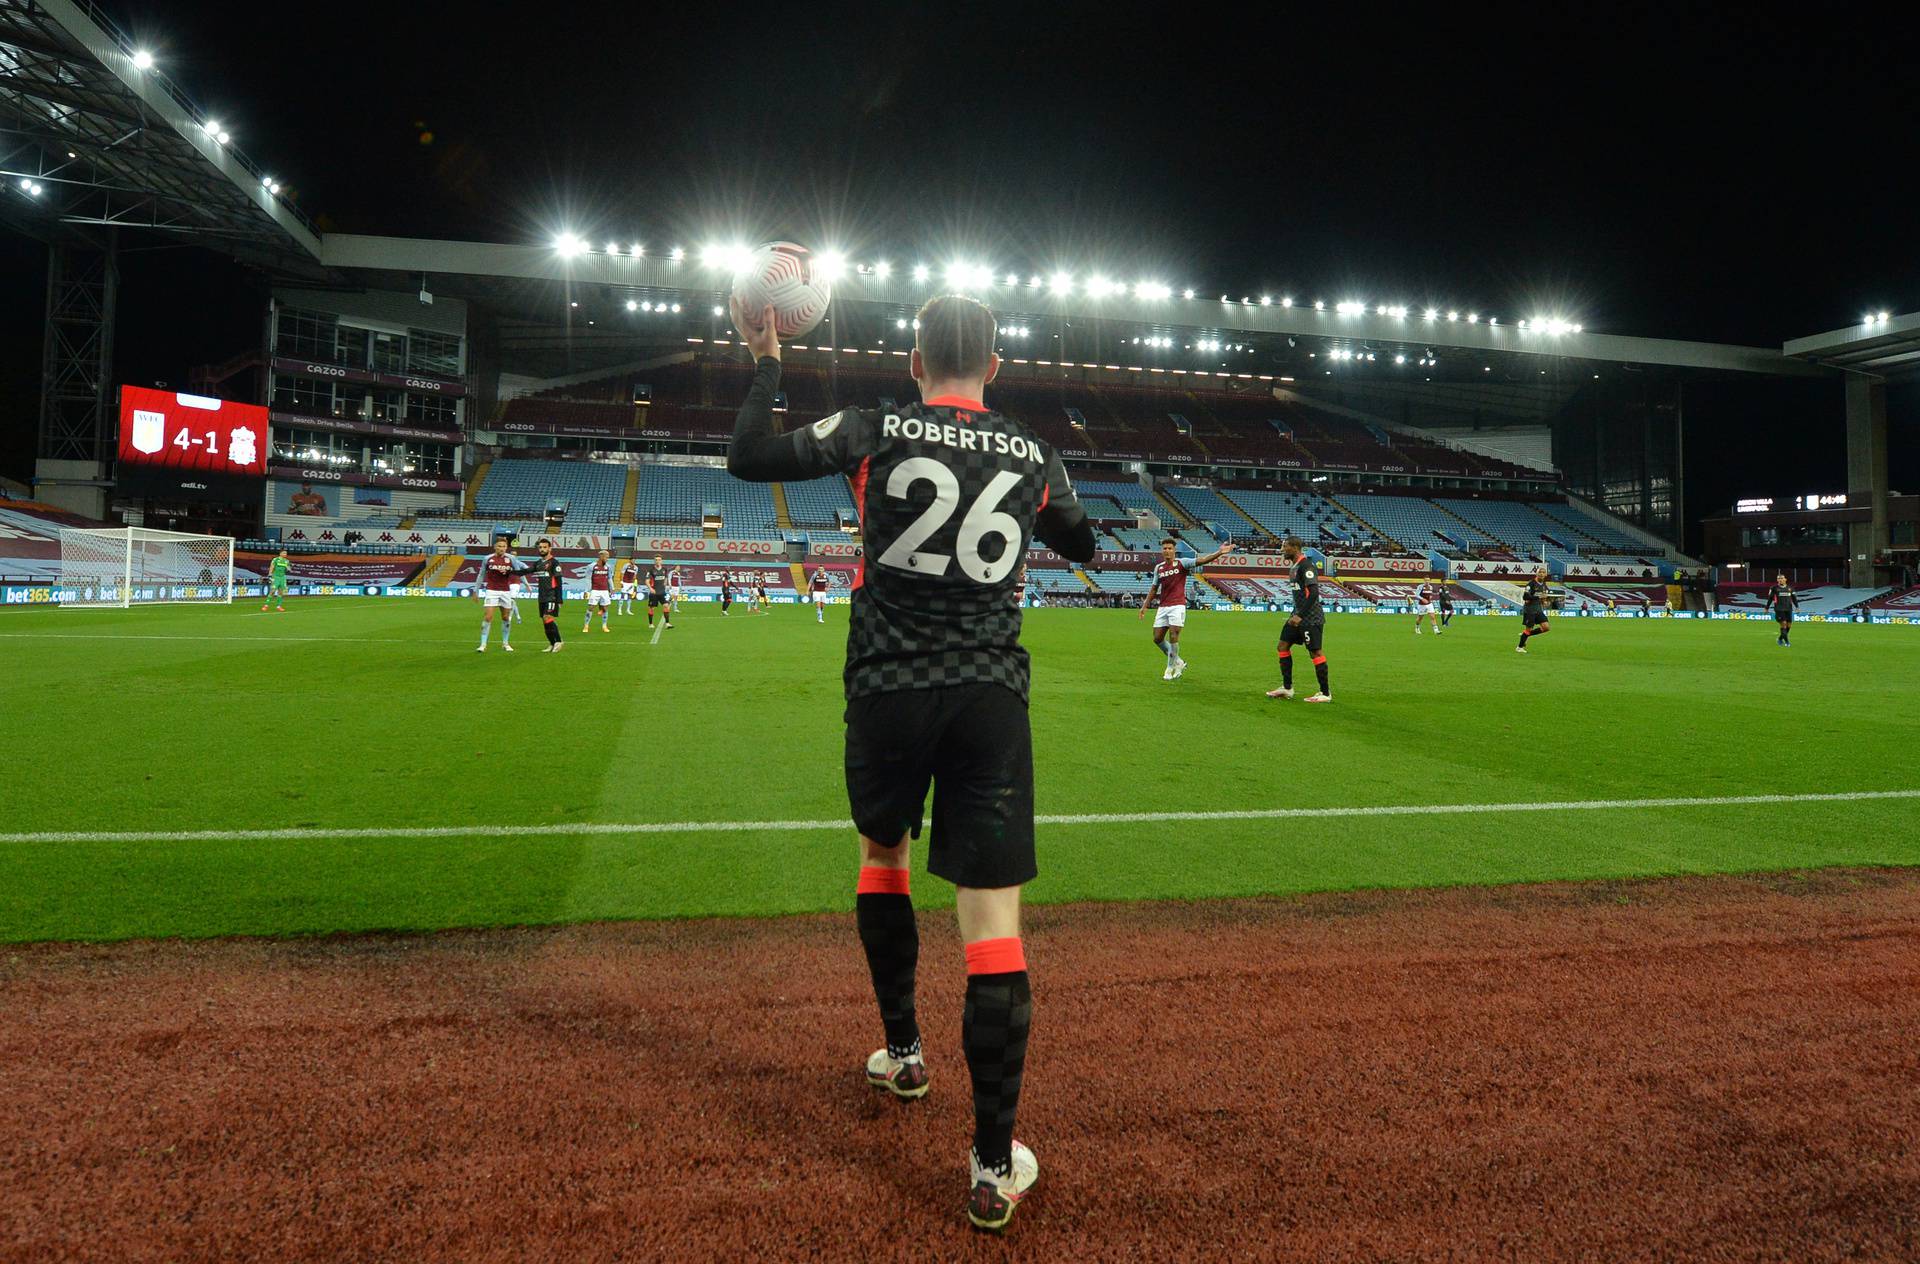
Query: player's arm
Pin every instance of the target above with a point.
(1214, 556)
(831, 445)
(1152, 594)
(1062, 523)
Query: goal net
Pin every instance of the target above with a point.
(137, 566)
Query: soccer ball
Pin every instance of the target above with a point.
(781, 274)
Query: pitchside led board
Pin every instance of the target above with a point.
(191, 446)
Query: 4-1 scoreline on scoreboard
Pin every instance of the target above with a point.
(191, 446)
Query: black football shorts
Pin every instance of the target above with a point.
(1533, 615)
(549, 606)
(973, 745)
(1307, 634)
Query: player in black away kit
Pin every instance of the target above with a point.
(656, 582)
(1533, 609)
(949, 493)
(1784, 601)
(1446, 603)
(1307, 625)
(547, 573)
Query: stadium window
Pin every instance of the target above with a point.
(430, 352)
(437, 409)
(350, 400)
(389, 405)
(304, 335)
(350, 346)
(301, 395)
(389, 353)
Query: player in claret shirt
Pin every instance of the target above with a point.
(629, 585)
(1170, 591)
(498, 574)
(949, 494)
(818, 586)
(1306, 626)
(1533, 609)
(599, 592)
(1423, 608)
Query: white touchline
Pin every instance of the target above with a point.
(537, 830)
(658, 628)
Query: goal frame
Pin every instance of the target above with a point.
(125, 538)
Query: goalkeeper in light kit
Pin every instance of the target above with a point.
(277, 583)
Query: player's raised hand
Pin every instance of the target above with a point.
(762, 337)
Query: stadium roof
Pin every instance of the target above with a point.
(490, 270)
(93, 135)
(1884, 345)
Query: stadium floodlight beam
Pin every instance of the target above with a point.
(1186, 294)
(1062, 283)
(634, 307)
(921, 272)
(830, 265)
(677, 253)
(142, 59)
(636, 250)
(1266, 300)
(1286, 300)
(566, 245)
(883, 269)
(1319, 305)
(1035, 281)
(1013, 279)
(1433, 313)
(1453, 315)
(613, 247)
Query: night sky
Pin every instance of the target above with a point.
(1646, 170)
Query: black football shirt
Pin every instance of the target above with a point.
(948, 493)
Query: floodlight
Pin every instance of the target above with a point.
(566, 245)
(921, 272)
(677, 253)
(645, 307)
(634, 307)
(1884, 318)
(1063, 283)
(1186, 294)
(676, 309)
(1013, 279)
(829, 265)
(1433, 313)
(1319, 305)
(142, 59)
(1266, 300)
(883, 269)
(1473, 318)
(635, 250)
(1286, 301)
(717, 311)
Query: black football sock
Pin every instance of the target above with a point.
(1286, 669)
(993, 1030)
(552, 629)
(1320, 670)
(884, 912)
(1523, 638)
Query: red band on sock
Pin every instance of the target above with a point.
(1286, 653)
(1542, 630)
(996, 956)
(879, 880)
(1318, 659)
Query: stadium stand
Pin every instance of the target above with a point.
(819, 503)
(1130, 496)
(1314, 518)
(679, 494)
(588, 490)
(1518, 526)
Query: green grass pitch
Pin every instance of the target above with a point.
(374, 714)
